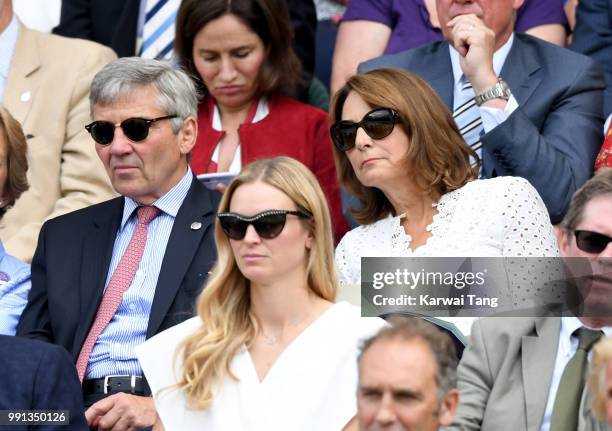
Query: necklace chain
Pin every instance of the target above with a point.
(271, 340)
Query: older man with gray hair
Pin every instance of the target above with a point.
(102, 279)
(407, 378)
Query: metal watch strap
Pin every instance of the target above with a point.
(499, 91)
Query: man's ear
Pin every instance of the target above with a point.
(516, 4)
(188, 135)
(448, 407)
(563, 240)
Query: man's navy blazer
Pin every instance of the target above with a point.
(554, 135)
(593, 37)
(39, 376)
(70, 267)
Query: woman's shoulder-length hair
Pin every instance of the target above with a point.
(224, 305)
(437, 158)
(280, 73)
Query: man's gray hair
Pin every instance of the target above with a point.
(440, 344)
(177, 92)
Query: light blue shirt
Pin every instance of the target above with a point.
(14, 289)
(8, 40)
(113, 352)
(491, 117)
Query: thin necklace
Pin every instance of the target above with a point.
(271, 340)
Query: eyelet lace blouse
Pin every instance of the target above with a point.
(498, 217)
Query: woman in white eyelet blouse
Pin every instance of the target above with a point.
(398, 150)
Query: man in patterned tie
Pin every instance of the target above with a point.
(109, 276)
(529, 108)
(528, 373)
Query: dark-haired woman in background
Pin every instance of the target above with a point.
(240, 54)
(14, 274)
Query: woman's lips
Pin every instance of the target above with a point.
(369, 161)
(229, 90)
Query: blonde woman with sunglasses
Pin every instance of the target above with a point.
(270, 350)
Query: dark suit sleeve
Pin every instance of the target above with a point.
(554, 145)
(474, 381)
(593, 37)
(75, 20)
(34, 321)
(57, 387)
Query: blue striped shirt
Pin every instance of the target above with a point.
(14, 289)
(113, 352)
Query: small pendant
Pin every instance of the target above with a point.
(270, 340)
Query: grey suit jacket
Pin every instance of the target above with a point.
(554, 135)
(505, 374)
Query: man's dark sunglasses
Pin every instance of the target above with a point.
(135, 129)
(378, 124)
(268, 224)
(591, 242)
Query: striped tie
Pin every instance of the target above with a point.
(467, 118)
(158, 29)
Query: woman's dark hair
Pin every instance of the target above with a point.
(280, 72)
(438, 158)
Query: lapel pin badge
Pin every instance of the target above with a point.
(25, 96)
(196, 225)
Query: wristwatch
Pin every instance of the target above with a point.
(498, 91)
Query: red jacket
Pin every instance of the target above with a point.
(291, 129)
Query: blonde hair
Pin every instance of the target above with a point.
(602, 355)
(224, 304)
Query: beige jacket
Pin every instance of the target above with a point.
(47, 90)
(505, 375)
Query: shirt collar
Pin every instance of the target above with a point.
(569, 324)
(8, 40)
(262, 112)
(170, 203)
(499, 58)
(2, 251)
